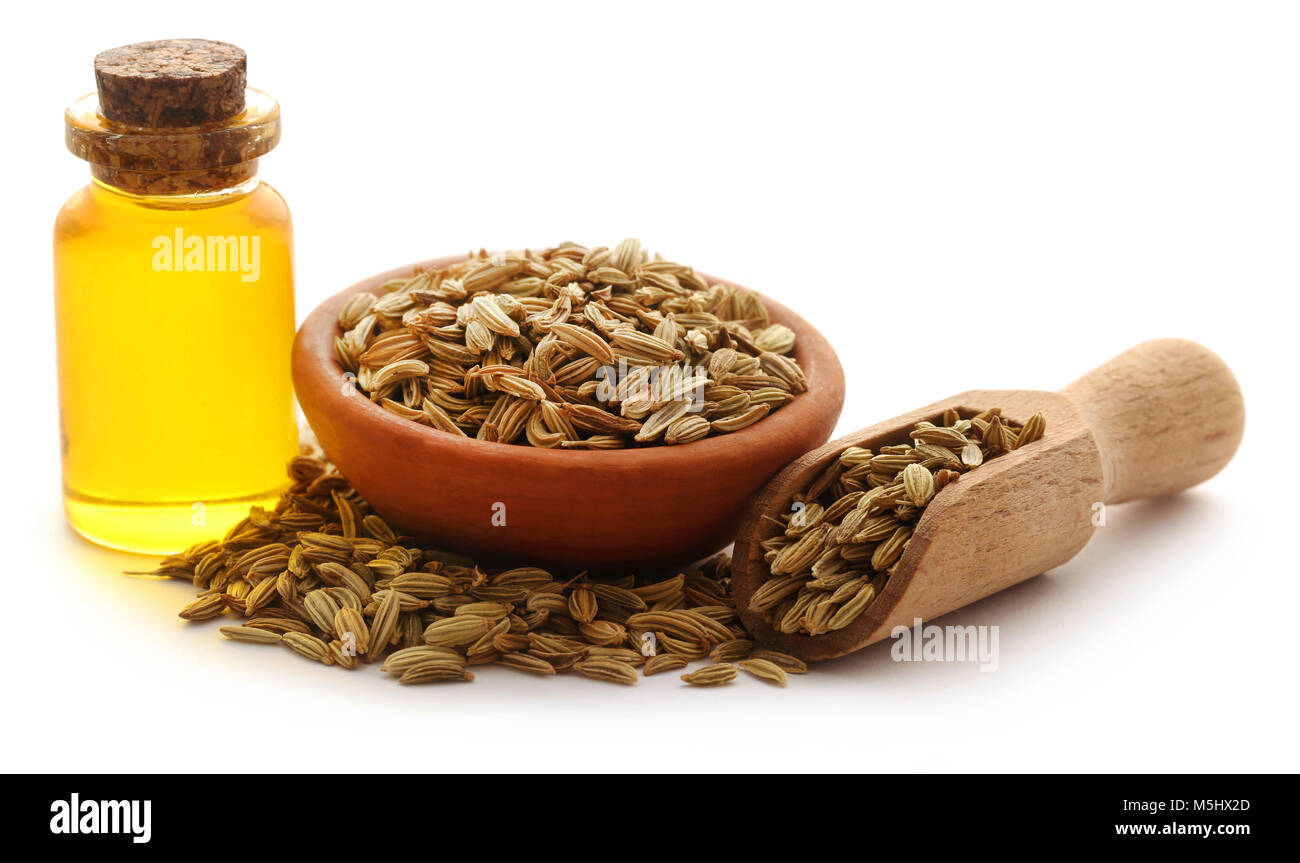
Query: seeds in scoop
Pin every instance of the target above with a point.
(919, 484)
(852, 610)
(1032, 430)
(828, 560)
(890, 550)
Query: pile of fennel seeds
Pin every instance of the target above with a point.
(324, 576)
(841, 542)
(570, 348)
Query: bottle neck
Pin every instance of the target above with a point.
(164, 163)
(214, 183)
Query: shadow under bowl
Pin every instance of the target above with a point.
(634, 510)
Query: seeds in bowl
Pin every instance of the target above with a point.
(326, 577)
(570, 348)
(837, 548)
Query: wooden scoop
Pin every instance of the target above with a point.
(1156, 419)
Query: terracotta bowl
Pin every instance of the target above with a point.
(634, 510)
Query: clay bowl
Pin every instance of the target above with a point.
(631, 511)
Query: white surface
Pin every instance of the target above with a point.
(1036, 187)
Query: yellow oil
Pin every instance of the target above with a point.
(176, 403)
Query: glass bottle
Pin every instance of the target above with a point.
(173, 284)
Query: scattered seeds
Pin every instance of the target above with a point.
(611, 670)
(250, 635)
(205, 607)
(524, 662)
(765, 670)
(307, 645)
(441, 668)
(712, 675)
(429, 614)
(663, 662)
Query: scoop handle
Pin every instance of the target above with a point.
(1166, 415)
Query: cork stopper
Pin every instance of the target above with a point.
(174, 117)
(172, 83)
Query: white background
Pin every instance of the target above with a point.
(1035, 186)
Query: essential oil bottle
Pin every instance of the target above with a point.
(173, 283)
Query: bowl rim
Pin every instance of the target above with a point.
(315, 340)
